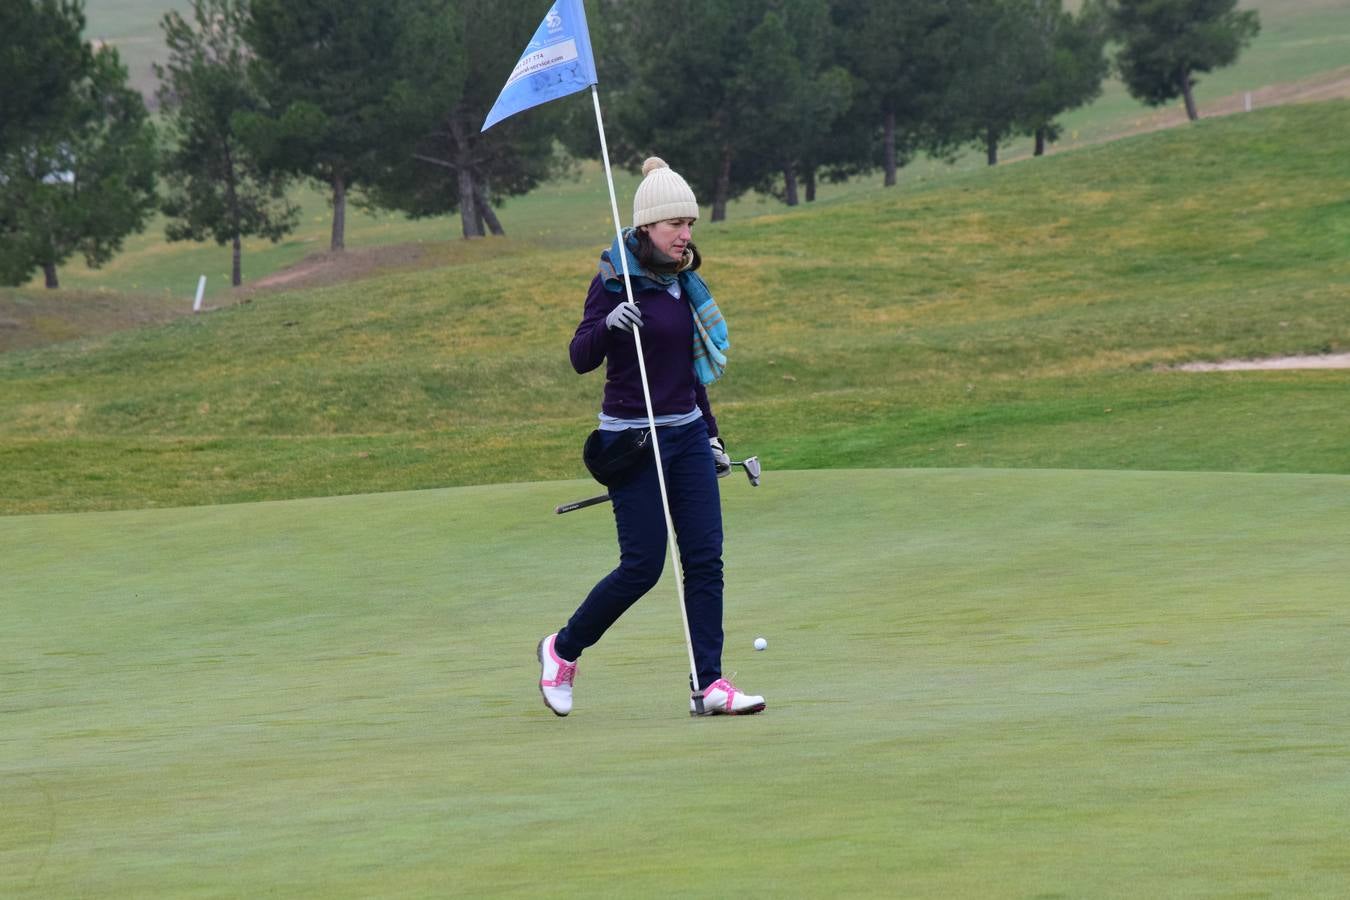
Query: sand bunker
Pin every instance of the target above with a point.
(1323, 361)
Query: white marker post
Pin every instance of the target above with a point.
(201, 289)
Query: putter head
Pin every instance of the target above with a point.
(752, 470)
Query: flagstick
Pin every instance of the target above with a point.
(647, 396)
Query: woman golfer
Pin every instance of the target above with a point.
(683, 337)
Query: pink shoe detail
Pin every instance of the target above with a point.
(567, 671)
(730, 702)
(555, 677)
(722, 684)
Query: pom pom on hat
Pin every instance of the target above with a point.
(663, 194)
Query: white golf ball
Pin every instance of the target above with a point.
(760, 643)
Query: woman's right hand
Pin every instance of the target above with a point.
(625, 317)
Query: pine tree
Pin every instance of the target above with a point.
(905, 56)
(460, 53)
(797, 94)
(1164, 43)
(80, 178)
(215, 187)
(333, 92)
(732, 95)
(42, 57)
(1025, 62)
(1074, 66)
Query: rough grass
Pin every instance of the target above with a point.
(1011, 317)
(980, 684)
(35, 317)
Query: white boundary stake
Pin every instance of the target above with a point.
(201, 289)
(647, 396)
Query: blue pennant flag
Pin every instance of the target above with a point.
(557, 62)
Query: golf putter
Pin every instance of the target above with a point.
(750, 464)
(581, 504)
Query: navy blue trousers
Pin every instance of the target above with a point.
(696, 510)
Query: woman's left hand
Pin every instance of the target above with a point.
(720, 458)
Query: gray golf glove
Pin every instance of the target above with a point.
(720, 459)
(625, 317)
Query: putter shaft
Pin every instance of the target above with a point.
(582, 504)
(750, 464)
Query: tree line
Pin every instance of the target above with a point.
(381, 101)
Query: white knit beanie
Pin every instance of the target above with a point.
(663, 194)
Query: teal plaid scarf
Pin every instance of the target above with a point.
(710, 329)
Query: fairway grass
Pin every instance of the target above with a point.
(980, 684)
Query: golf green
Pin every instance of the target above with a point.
(980, 683)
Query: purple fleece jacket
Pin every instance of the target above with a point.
(667, 348)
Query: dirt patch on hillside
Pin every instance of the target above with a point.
(336, 268)
(1321, 361)
(1332, 85)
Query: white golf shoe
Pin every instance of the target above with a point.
(721, 698)
(555, 677)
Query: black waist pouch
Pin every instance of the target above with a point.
(616, 457)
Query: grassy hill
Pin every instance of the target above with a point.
(1008, 317)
